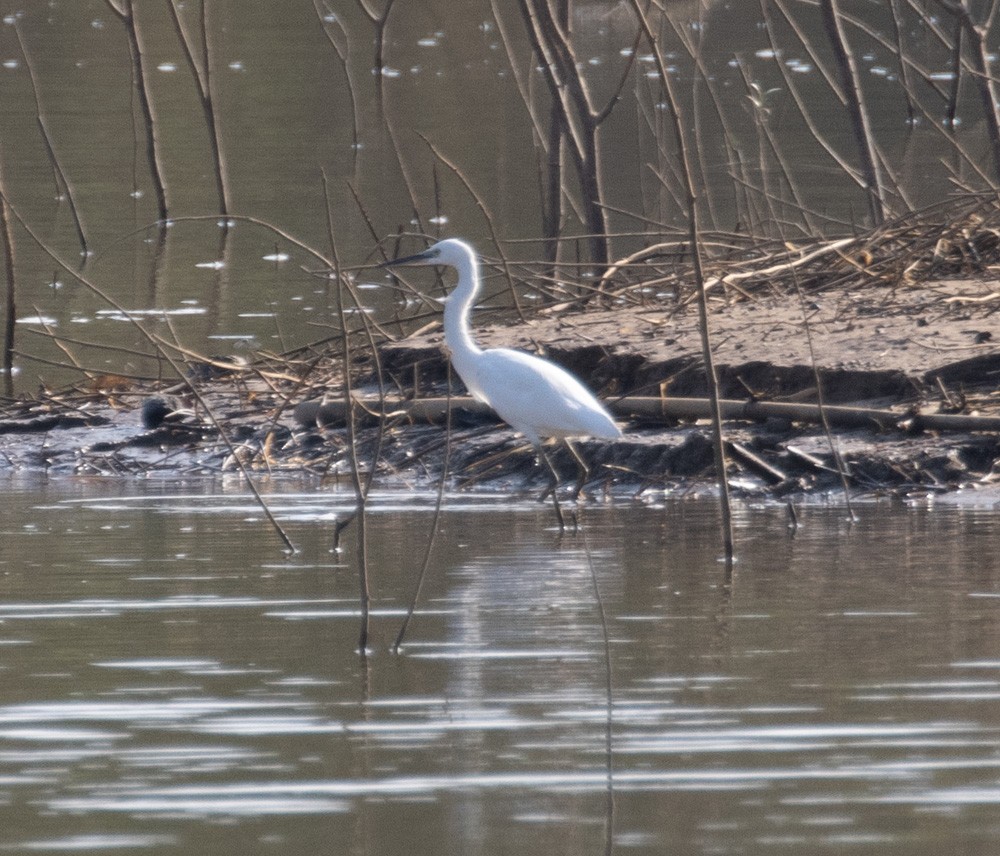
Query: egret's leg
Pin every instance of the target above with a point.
(583, 471)
(553, 488)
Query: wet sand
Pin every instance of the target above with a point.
(932, 348)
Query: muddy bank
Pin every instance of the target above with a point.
(921, 350)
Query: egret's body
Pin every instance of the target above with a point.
(535, 397)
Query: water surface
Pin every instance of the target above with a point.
(310, 127)
(172, 683)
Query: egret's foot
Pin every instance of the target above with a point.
(561, 516)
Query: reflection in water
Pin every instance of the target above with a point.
(774, 152)
(170, 683)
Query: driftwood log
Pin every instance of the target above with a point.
(651, 408)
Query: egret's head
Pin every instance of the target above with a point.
(450, 251)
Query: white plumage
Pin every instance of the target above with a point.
(535, 397)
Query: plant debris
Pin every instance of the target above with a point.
(890, 341)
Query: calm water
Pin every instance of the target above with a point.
(172, 684)
(297, 98)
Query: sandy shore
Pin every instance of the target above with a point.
(928, 349)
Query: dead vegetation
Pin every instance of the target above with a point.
(907, 418)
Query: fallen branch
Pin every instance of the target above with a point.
(434, 410)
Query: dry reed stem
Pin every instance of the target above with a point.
(718, 444)
(126, 14)
(344, 55)
(156, 342)
(362, 486)
(202, 74)
(10, 294)
(62, 182)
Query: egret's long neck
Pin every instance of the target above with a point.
(457, 311)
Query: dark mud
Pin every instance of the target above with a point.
(928, 349)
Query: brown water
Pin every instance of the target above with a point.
(171, 683)
(291, 112)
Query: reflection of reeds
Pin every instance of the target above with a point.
(566, 105)
(63, 186)
(566, 122)
(10, 302)
(701, 292)
(202, 74)
(857, 110)
(378, 20)
(777, 243)
(126, 14)
(979, 56)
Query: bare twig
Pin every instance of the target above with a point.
(62, 182)
(156, 343)
(707, 356)
(126, 14)
(203, 81)
(986, 84)
(10, 297)
(857, 110)
(435, 522)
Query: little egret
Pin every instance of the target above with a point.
(535, 397)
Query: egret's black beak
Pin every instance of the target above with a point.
(426, 257)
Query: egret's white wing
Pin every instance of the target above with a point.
(539, 398)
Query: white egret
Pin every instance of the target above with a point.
(535, 397)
